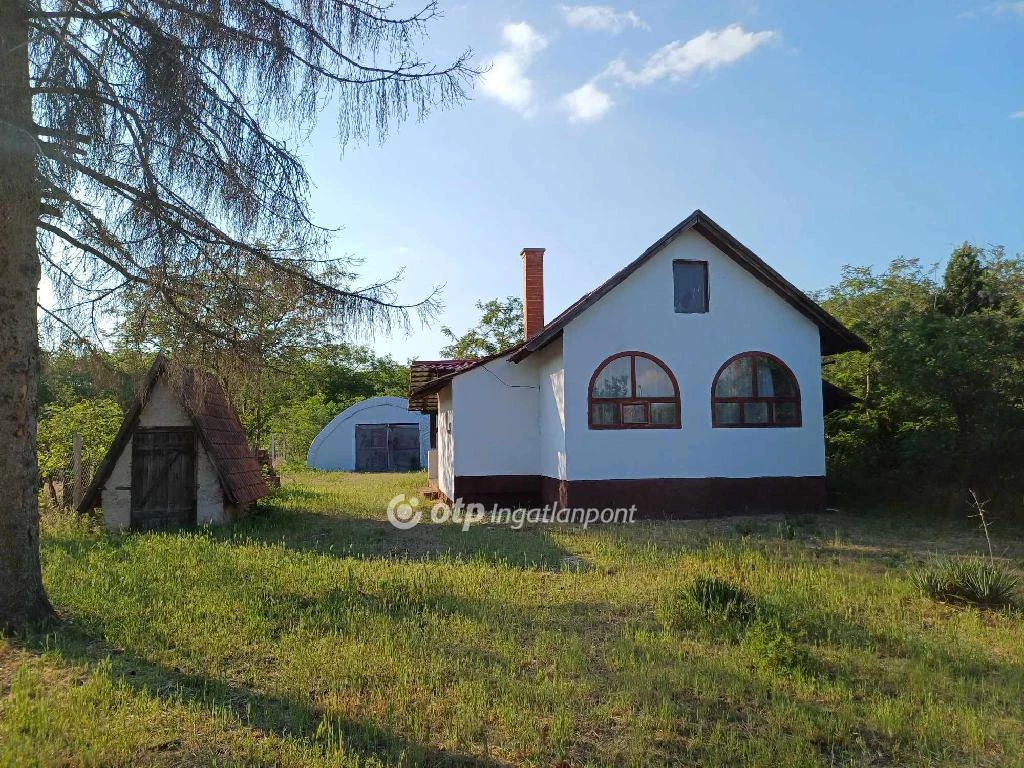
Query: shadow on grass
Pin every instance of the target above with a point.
(284, 717)
(339, 534)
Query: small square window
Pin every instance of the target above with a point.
(663, 413)
(604, 414)
(727, 413)
(690, 286)
(634, 413)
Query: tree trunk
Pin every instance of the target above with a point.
(22, 597)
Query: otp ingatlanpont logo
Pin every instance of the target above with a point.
(404, 512)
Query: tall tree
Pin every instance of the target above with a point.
(22, 597)
(500, 326)
(137, 148)
(963, 285)
(942, 390)
(246, 323)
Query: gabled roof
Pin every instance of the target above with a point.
(427, 377)
(835, 337)
(217, 425)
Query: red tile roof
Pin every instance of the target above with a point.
(423, 372)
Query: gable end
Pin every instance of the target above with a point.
(835, 337)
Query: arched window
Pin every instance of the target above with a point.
(755, 389)
(633, 390)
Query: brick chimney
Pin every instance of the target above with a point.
(533, 291)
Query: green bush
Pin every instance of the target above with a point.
(298, 423)
(774, 648)
(968, 580)
(97, 421)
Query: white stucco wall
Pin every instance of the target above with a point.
(745, 315)
(335, 447)
(163, 409)
(116, 496)
(551, 379)
(445, 444)
(496, 422)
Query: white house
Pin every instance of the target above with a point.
(378, 434)
(688, 383)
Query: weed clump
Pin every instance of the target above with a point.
(774, 648)
(970, 581)
(709, 604)
(721, 600)
(723, 611)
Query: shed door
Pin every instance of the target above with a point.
(404, 447)
(387, 447)
(163, 478)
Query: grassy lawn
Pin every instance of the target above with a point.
(317, 634)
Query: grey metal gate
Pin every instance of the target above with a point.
(387, 447)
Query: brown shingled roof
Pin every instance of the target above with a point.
(217, 425)
(423, 372)
(223, 437)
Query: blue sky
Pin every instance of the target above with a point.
(819, 134)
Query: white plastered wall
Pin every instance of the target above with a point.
(496, 423)
(745, 315)
(445, 443)
(551, 380)
(163, 409)
(335, 447)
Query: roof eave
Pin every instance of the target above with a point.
(433, 387)
(90, 499)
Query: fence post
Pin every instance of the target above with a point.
(76, 471)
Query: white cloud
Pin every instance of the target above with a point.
(1019, 115)
(678, 60)
(602, 18)
(506, 80)
(523, 38)
(586, 103)
(996, 9)
(1012, 7)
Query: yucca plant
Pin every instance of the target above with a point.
(969, 580)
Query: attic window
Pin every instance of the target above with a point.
(633, 390)
(690, 286)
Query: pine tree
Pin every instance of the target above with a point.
(963, 288)
(148, 142)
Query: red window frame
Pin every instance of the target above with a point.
(633, 399)
(756, 398)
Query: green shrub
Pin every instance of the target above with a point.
(774, 648)
(97, 421)
(968, 580)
